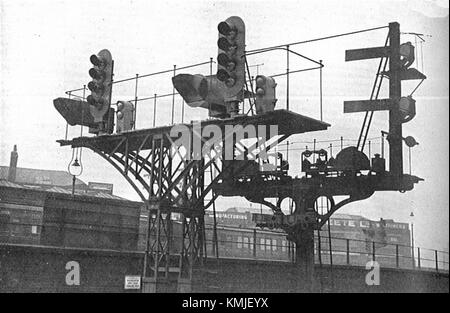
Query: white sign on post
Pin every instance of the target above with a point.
(132, 282)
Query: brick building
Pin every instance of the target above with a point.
(37, 207)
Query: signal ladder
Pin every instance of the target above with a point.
(249, 90)
(374, 96)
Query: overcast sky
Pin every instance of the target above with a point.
(45, 49)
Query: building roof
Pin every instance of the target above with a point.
(265, 210)
(254, 210)
(348, 217)
(5, 183)
(60, 190)
(31, 176)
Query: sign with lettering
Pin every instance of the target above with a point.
(132, 282)
(101, 187)
(234, 216)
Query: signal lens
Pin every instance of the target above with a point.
(260, 92)
(260, 81)
(223, 59)
(222, 75)
(224, 44)
(411, 141)
(230, 82)
(231, 66)
(90, 99)
(95, 74)
(95, 60)
(406, 50)
(224, 28)
(94, 87)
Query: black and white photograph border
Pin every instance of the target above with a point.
(233, 147)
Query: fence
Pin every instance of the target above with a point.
(258, 244)
(251, 243)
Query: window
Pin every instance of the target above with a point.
(283, 245)
(17, 229)
(34, 229)
(274, 245)
(246, 243)
(4, 222)
(222, 239)
(262, 244)
(229, 242)
(251, 243)
(268, 244)
(239, 242)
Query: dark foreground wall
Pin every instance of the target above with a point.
(259, 276)
(43, 269)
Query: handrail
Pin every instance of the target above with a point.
(148, 75)
(321, 38)
(269, 244)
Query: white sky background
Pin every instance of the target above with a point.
(45, 49)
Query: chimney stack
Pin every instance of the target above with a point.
(13, 165)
